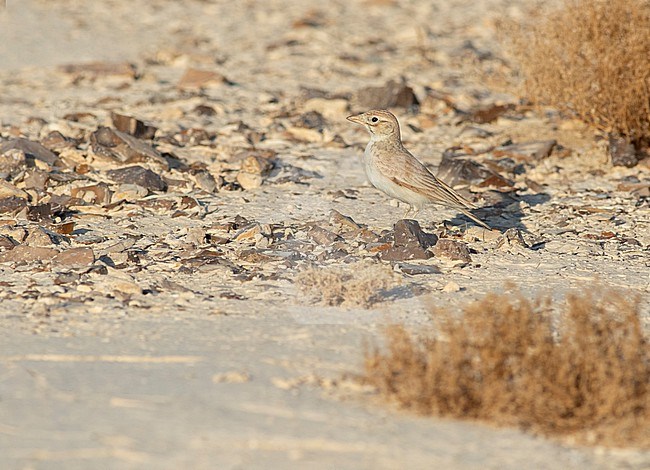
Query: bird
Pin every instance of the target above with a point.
(392, 169)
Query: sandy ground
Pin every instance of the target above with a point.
(185, 342)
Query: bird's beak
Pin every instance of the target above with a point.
(357, 118)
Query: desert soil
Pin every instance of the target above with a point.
(155, 320)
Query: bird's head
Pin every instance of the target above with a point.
(380, 123)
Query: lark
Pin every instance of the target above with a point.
(392, 169)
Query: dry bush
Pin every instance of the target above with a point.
(359, 286)
(590, 58)
(501, 363)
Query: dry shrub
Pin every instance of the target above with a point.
(590, 58)
(358, 286)
(501, 363)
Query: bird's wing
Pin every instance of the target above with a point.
(406, 170)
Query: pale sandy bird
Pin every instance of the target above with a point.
(395, 171)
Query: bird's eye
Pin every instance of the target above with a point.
(374, 119)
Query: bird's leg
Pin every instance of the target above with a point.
(416, 211)
(408, 209)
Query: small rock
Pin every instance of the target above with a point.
(95, 194)
(33, 151)
(122, 147)
(195, 78)
(335, 109)
(12, 162)
(133, 126)
(75, 257)
(7, 243)
(138, 175)
(512, 237)
(101, 69)
(621, 151)
(323, 236)
(129, 192)
(12, 204)
(481, 234)
(27, 254)
(528, 151)
(392, 95)
(38, 236)
(408, 232)
(455, 169)
(451, 286)
(452, 250)
(417, 269)
(410, 242)
(336, 218)
(8, 190)
(232, 377)
(253, 169)
(36, 179)
(487, 114)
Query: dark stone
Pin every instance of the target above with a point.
(622, 151)
(453, 250)
(140, 176)
(122, 147)
(529, 151)
(489, 113)
(410, 242)
(392, 95)
(310, 120)
(133, 126)
(456, 169)
(32, 150)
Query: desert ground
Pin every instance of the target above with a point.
(175, 174)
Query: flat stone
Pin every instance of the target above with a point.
(129, 192)
(392, 95)
(8, 190)
(417, 269)
(456, 169)
(32, 150)
(139, 175)
(7, 243)
(529, 151)
(38, 236)
(452, 250)
(408, 232)
(75, 257)
(122, 147)
(27, 254)
(622, 151)
(195, 78)
(344, 221)
(133, 126)
(323, 236)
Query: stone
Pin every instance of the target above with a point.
(323, 236)
(33, 151)
(95, 194)
(334, 109)
(455, 169)
(488, 113)
(122, 147)
(37, 180)
(8, 190)
(254, 168)
(12, 162)
(410, 242)
(128, 192)
(74, 257)
(451, 286)
(133, 126)
(139, 175)
(38, 236)
(529, 151)
(27, 254)
(12, 204)
(512, 237)
(621, 151)
(392, 95)
(452, 250)
(343, 221)
(101, 69)
(7, 243)
(195, 78)
(417, 269)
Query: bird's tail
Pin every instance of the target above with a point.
(474, 218)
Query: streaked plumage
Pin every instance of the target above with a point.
(391, 168)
